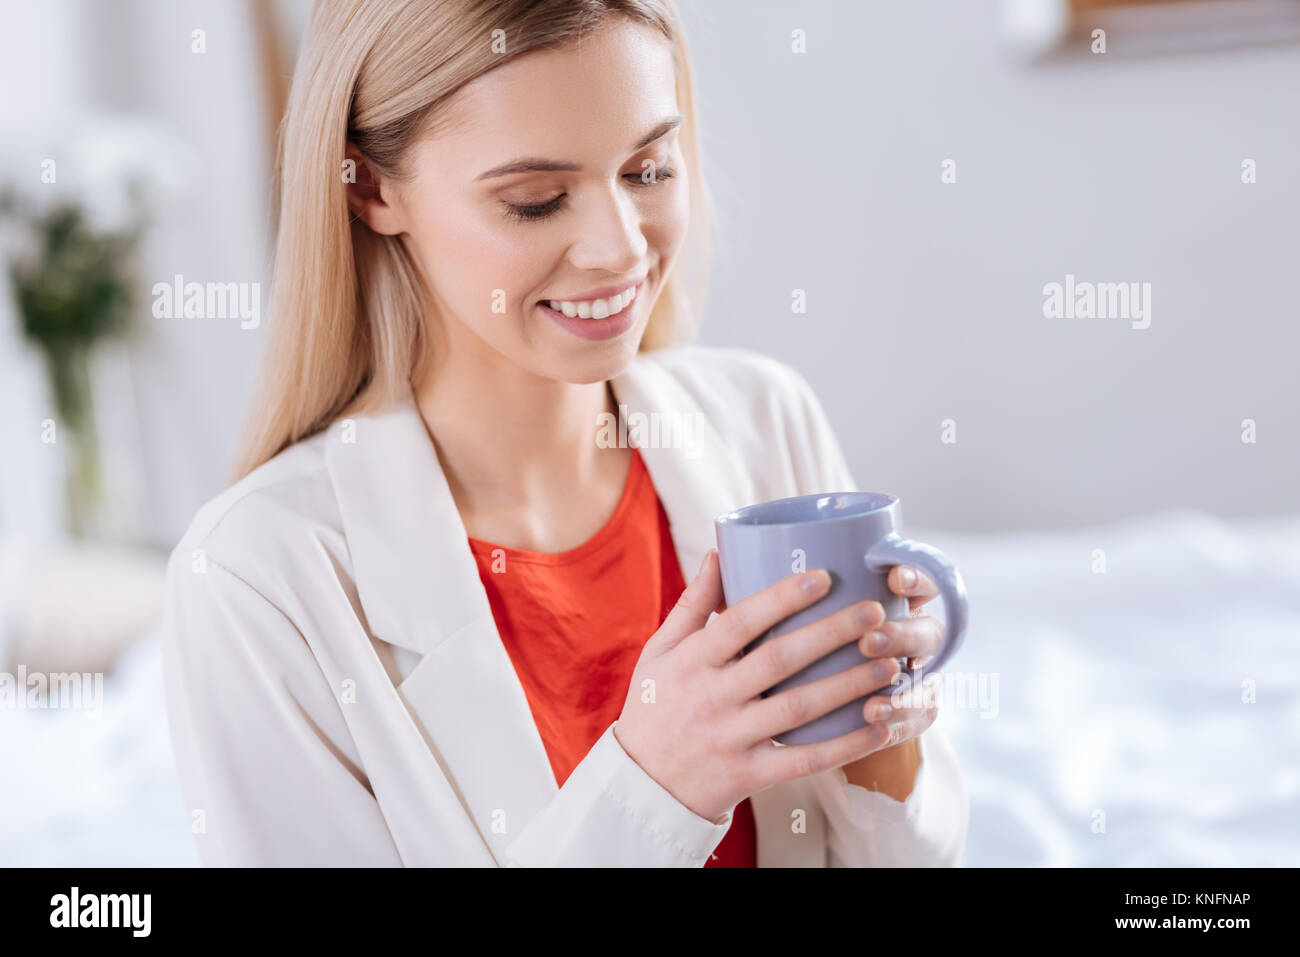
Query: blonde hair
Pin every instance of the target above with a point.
(347, 332)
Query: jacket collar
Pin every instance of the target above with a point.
(416, 577)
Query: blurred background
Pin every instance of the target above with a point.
(898, 186)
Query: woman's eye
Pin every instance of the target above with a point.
(660, 173)
(543, 210)
(529, 213)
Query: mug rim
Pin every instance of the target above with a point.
(737, 516)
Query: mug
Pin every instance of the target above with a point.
(857, 537)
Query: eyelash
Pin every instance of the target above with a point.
(531, 214)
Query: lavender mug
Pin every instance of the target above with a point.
(856, 536)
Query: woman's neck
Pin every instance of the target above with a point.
(518, 449)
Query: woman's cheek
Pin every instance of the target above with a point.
(479, 266)
(664, 216)
(671, 227)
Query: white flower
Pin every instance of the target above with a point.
(99, 158)
(115, 154)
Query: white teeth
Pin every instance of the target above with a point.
(594, 308)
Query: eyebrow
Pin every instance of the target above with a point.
(529, 164)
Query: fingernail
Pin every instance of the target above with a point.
(884, 668)
(906, 577)
(815, 580)
(877, 640)
(879, 711)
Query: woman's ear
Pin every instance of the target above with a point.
(369, 195)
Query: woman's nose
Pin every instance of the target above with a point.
(610, 235)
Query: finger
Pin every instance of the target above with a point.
(902, 702)
(916, 605)
(752, 616)
(800, 760)
(780, 657)
(904, 637)
(912, 582)
(768, 717)
(694, 606)
(911, 725)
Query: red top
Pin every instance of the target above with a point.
(574, 624)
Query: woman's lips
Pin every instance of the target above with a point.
(607, 328)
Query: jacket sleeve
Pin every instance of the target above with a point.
(869, 828)
(260, 743)
(611, 813)
(271, 777)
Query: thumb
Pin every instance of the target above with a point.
(691, 613)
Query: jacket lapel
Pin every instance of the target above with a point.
(698, 477)
(419, 587)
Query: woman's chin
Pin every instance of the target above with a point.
(581, 361)
(585, 369)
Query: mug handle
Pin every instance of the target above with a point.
(894, 550)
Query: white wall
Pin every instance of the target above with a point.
(171, 402)
(925, 299)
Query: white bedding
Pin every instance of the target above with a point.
(1122, 693)
(96, 792)
(1118, 692)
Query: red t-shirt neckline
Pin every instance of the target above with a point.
(608, 533)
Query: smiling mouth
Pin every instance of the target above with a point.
(594, 308)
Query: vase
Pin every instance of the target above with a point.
(70, 377)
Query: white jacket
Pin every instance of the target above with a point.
(339, 695)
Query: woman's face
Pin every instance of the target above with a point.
(497, 241)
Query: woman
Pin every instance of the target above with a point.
(440, 616)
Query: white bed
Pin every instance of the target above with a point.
(1122, 693)
(96, 791)
(1118, 692)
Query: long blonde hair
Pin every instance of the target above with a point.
(347, 330)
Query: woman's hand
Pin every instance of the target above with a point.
(694, 719)
(907, 712)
